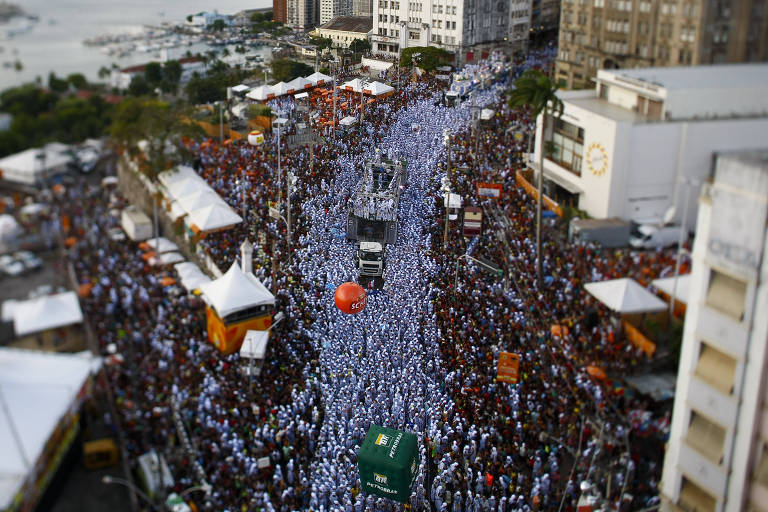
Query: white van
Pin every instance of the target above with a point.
(649, 236)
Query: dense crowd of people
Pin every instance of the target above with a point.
(421, 357)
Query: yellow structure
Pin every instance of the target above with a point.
(236, 303)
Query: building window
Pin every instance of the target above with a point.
(693, 497)
(414, 35)
(727, 295)
(568, 146)
(761, 471)
(706, 437)
(716, 368)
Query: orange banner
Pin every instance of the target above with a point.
(508, 369)
(531, 190)
(639, 340)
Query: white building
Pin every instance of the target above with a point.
(520, 23)
(345, 29)
(362, 8)
(458, 26)
(619, 149)
(203, 20)
(35, 166)
(717, 455)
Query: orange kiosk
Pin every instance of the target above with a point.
(236, 303)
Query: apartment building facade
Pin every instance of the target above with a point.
(520, 23)
(620, 150)
(302, 14)
(330, 9)
(362, 8)
(458, 26)
(280, 11)
(611, 34)
(717, 455)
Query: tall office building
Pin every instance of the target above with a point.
(330, 9)
(362, 8)
(280, 11)
(458, 26)
(520, 23)
(302, 14)
(609, 34)
(717, 456)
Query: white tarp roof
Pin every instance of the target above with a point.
(178, 173)
(280, 88)
(317, 77)
(215, 216)
(486, 114)
(46, 312)
(348, 121)
(254, 345)
(240, 88)
(353, 85)
(625, 295)
(186, 187)
(380, 65)
(235, 291)
(199, 199)
(176, 211)
(378, 88)
(297, 84)
(168, 258)
(9, 227)
(9, 306)
(667, 285)
(191, 276)
(162, 244)
(37, 388)
(31, 165)
(259, 93)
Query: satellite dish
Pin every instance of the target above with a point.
(668, 215)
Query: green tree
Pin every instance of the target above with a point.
(322, 43)
(160, 126)
(285, 70)
(104, 72)
(57, 84)
(360, 46)
(218, 25)
(172, 72)
(538, 92)
(153, 73)
(77, 80)
(139, 86)
(427, 58)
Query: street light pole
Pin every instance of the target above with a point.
(446, 188)
(107, 479)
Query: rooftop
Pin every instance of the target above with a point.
(362, 24)
(723, 76)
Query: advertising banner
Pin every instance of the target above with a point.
(508, 368)
(489, 189)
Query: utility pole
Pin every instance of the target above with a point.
(333, 121)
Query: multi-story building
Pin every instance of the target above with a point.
(544, 15)
(463, 27)
(302, 14)
(619, 150)
(280, 11)
(608, 34)
(362, 8)
(717, 455)
(330, 9)
(345, 29)
(520, 23)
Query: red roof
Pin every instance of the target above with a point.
(84, 94)
(140, 68)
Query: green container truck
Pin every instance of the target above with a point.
(388, 461)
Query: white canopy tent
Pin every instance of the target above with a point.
(9, 227)
(318, 78)
(38, 389)
(168, 258)
(215, 216)
(46, 312)
(260, 93)
(162, 244)
(198, 199)
(378, 89)
(280, 89)
(178, 173)
(186, 187)
(667, 285)
(348, 121)
(487, 114)
(33, 165)
(254, 345)
(353, 85)
(625, 295)
(235, 291)
(191, 276)
(298, 84)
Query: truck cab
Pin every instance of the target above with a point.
(648, 236)
(370, 258)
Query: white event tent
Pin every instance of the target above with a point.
(667, 285)
(161, 245)
(214, 216)
(39, 390)
(378, 89)
(625, 295)
(236, 291)
(260, 93)
(318, 78)
(298, 85)
(46, 312)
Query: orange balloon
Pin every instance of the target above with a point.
(350, 298)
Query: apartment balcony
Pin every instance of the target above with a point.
(703, 471)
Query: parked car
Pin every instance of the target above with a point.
(29, 260)
(10, 266)
(649, 236)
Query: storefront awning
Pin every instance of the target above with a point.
(562, 182)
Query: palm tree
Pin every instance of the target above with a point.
(537, 91)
